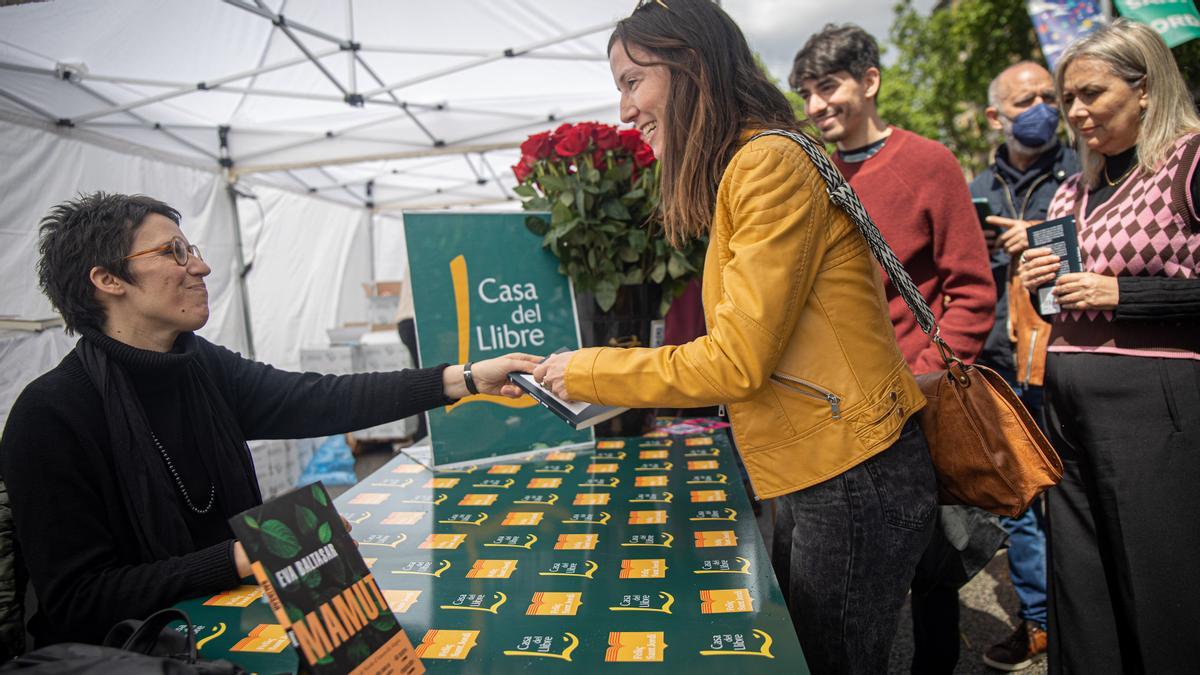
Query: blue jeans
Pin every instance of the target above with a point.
(844, 552)
(1027, 532)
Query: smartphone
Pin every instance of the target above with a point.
(982, 211)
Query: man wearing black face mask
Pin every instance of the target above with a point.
(1027, 170)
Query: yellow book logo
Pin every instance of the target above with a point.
(650, 481)
(477, 500)
(403, 518)
(647, 517)
(654, 454)
(726, 601)
(544, 483)
(505, 468)
(610, 445)
(576, 542)
(560, 456)
(401, 601)
(447, 644)
(592, 499)
(715, 538)
(443, 541)
(441, 483)
(703, 464)
(492, 569)
(523, 518)
(554, 604)
(635, 647)
(708, 496)
(644, 569)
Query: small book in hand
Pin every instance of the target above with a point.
(1060, 237)
(575, 413)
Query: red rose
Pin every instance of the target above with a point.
(521, 171)
(572, 143)
(606, 137)
(598, 158)
(643, 157)
(588, 128)
(563, 129)
(631, 139)
(537, 146)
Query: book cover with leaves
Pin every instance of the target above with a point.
(319, 587)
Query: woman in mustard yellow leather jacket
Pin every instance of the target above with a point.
(799, 346)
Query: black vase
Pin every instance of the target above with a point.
(626, 324)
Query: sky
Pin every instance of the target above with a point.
(776, 29)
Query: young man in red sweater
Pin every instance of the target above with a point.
(916, 193)
(912, 187)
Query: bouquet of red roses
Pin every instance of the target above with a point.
(600, 185)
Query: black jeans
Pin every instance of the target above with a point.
(845, 550)
(1122, 527)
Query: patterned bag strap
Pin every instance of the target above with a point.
(841, 194)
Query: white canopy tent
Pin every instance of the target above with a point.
(324, 118)
(292, 133)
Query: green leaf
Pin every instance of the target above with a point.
(250, 522)
(635, 276)
(525, 192)
(537, 225)
(312, 579)
(566, 198)
(537, 204)
(606, 295)
(560, 213)
(628, 254)
(325, 660)
(280, 539)
(306, 519)
(553, 183)
(616, 210)
(358, 651)
(659, 272)
(318, 493)
(294, 614)
(325, 534)
(678, 265)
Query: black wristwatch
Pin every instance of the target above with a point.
(469, 379)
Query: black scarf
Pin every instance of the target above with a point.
(148, 489)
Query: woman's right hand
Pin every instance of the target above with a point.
(241, 560)
(1036, 268)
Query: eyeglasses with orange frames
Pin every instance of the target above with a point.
(182, 251)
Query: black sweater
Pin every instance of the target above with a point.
(73, 530)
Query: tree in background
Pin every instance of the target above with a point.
(937, 86)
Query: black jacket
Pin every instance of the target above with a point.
(1024, 196)
(74, 531)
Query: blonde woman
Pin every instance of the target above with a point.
(1123, 372)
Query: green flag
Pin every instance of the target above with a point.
(1175, 20)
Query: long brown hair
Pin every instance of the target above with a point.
(717, 89)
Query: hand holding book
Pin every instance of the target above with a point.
(552, 373)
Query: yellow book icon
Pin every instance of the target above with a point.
(647, 517)
(492, 569)
(650, 481)
(447, 644)
(708, 496)
(554, 604)
(655, 568)
(726, 601)
(592, 499)
(636, 647)
(576, 542)
(715, 538)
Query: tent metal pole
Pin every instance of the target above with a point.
(508, 53)
(279, 19)
(440, 205)
(152, 125)
(240, 258)
(370, 213)
(330, 135)
(27, 105)
(541, 120)
(396, 100)
(433, 51)
(503, 190)
(403, 154)
(287, 31)
(199, 86)
(352, 54)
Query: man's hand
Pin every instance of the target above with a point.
(491, 376)
(1036, 268)
(241, 560)
(1086, 290)
(552, 374)
(1013, 239)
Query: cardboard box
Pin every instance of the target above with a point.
(336, 360)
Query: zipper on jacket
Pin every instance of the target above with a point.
(721, 412)
(1029, 363)
(798, 385)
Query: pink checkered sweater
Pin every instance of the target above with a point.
(1147, 228)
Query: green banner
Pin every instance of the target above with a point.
(482, 287)
(642, 556)
(1175, 20)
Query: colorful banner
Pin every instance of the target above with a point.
(482, 287)
(1177, 21)
(1061, 22)
(651, 563)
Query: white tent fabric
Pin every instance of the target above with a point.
(39, 168)
(422, 102)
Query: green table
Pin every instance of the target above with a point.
(639, 558)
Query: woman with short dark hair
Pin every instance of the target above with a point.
(124, 462)
(799, 343)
